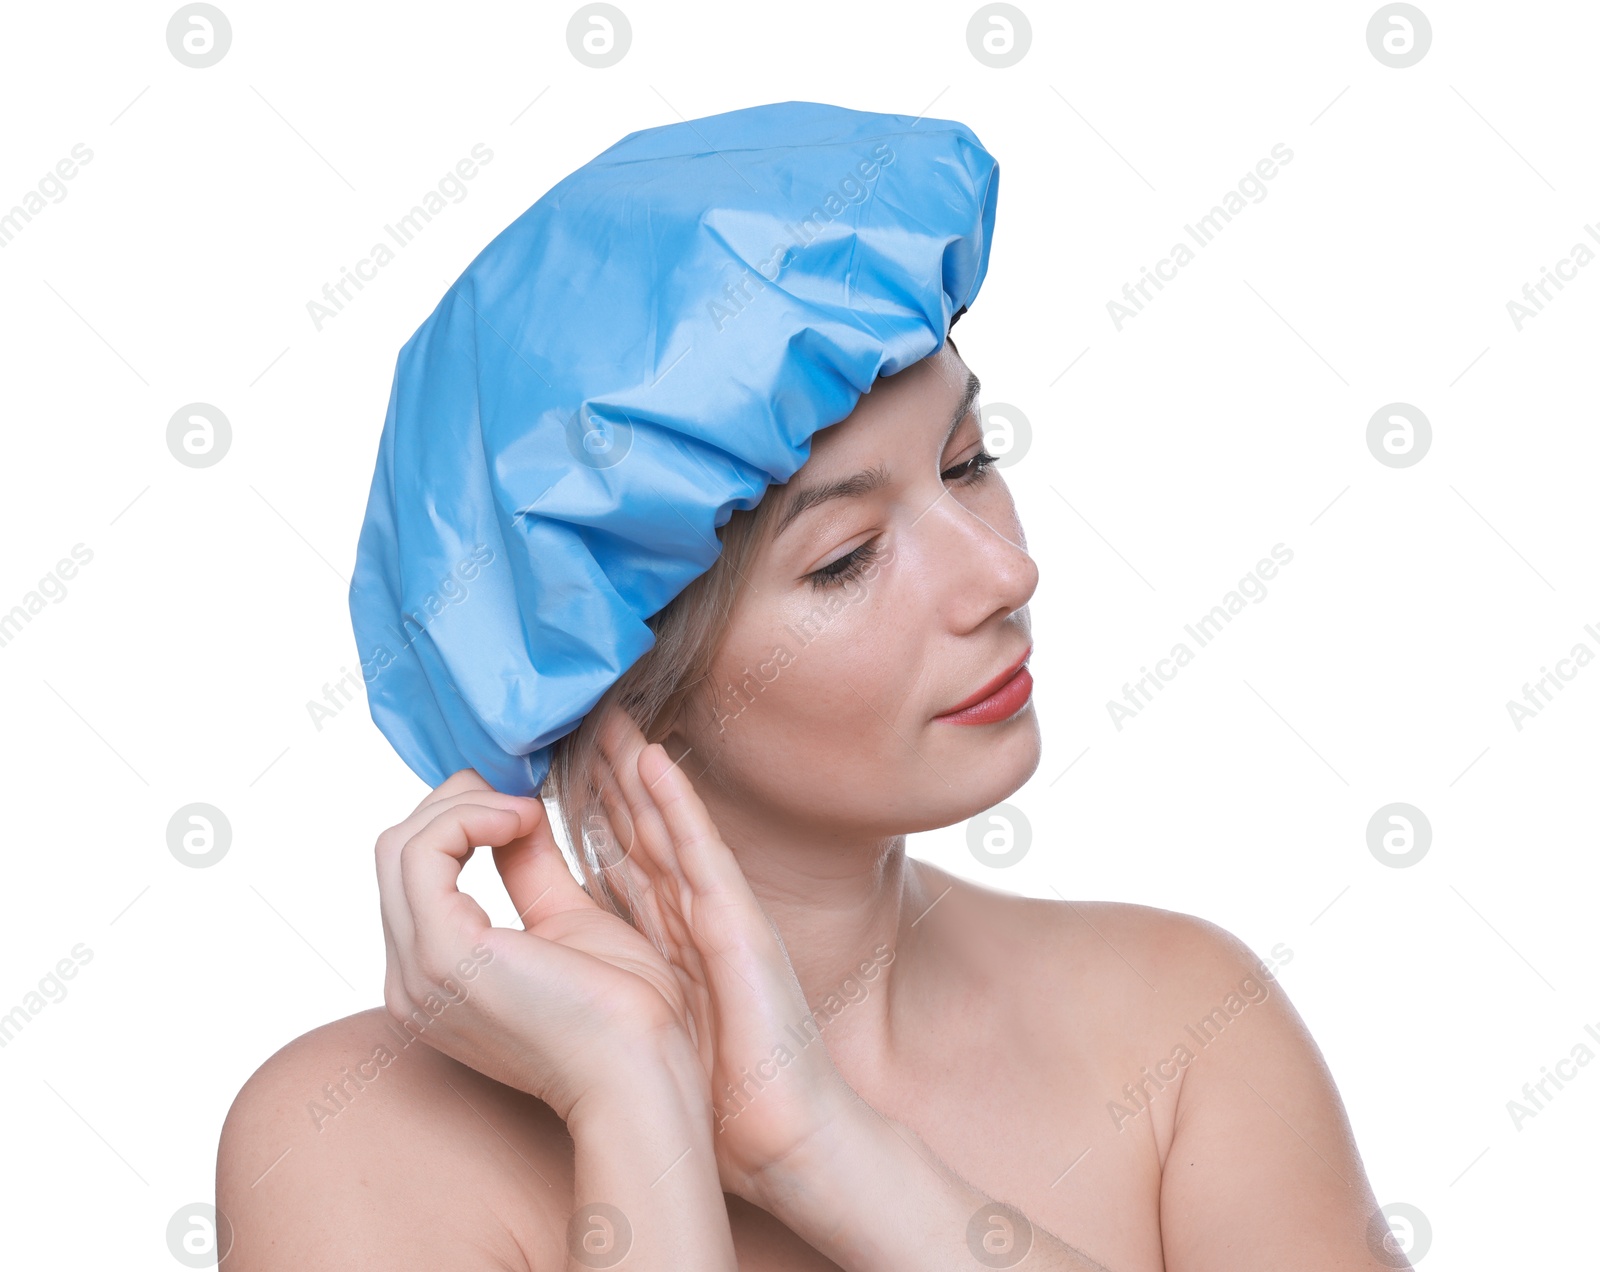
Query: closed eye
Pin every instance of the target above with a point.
(972, 470)
(846, 568)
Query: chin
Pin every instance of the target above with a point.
(985, 764)
(1007, 760)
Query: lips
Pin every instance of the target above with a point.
(989, 687)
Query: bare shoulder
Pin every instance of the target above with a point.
(1132, 987)
(1209, 1057)
(1164, 951)
(358, 1144)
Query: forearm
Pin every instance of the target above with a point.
(645, 1180)
(871, 1196)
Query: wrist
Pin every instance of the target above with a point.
(642, 1145)
(844, 1147)
(840, 1190)
(660, 1082)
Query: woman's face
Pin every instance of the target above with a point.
(863, 618)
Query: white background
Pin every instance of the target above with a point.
(1229, 416)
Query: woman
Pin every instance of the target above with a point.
(759, 1035)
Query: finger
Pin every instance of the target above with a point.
(391, 893)
(445, 920)
(628, 869)
(698, 845)
(622, 745)
(647, 871)
(708, 863)
(668, 903)
(536, 875)
(392, 908)
(640, 865)
(459, 782)
(392, 984)
(618, 741)
(647, 865)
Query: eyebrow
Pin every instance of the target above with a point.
(868, 479)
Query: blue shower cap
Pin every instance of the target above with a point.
(646, 348)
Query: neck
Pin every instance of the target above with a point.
(845, 910)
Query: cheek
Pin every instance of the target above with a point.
(815, 667)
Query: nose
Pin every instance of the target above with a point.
(983, 568)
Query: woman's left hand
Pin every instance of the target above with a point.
(770, 1094)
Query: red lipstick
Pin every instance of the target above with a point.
(999, 699)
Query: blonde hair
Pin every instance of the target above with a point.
(654, 691)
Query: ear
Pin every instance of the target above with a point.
(675, 739)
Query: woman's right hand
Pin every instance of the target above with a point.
(570, 1005)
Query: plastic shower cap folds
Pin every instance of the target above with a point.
(648, 347)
